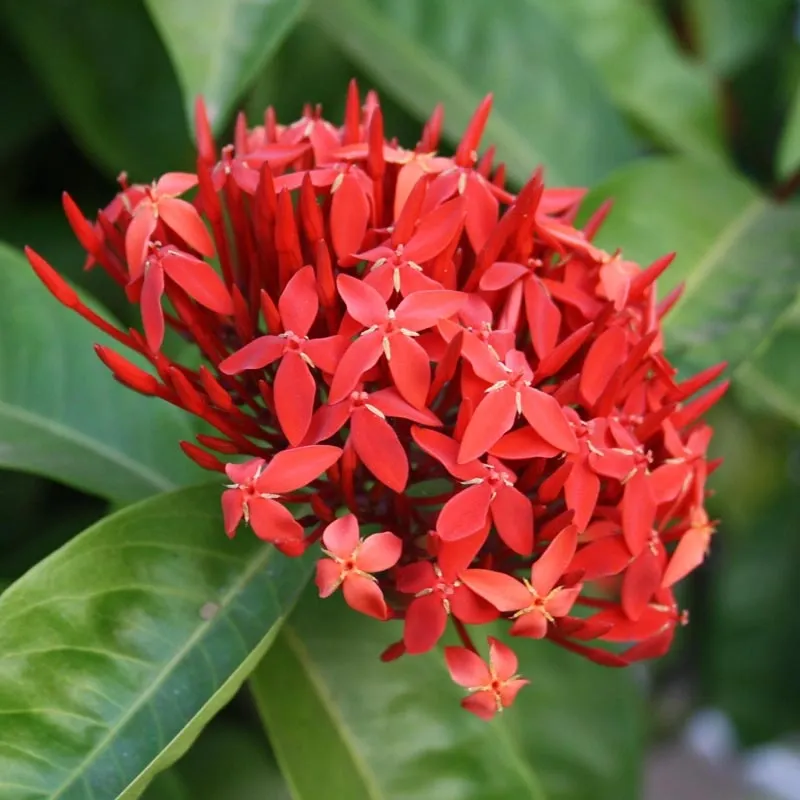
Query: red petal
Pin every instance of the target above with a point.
(641, 581)
(199, 280)
(150, 302)
(668, 480)
(482, 208)
(246, 472)
(416, 577)
(466, 668)
(295, 392)
(361, 356)
(254, 355)
(471, 139)
(445, 451)
(532, 625)
(602, 558)
(581, 490)
(423, 310)
(364, 595)
(493, 417)
(137, 238)
(638, 513)
(522, 444)
(502, 591)
(175, 183)
(544, 318)
(502, 274)
(688, 555)
(550, 567)
(390, 403)
(410, 368)
(341, 537)
(471, 608)
(326, 421)
(273, 522)
(327, 352)
(379, 552)
(425, 623)
(377, 445)
(435, 232)
(183, 218)
(512, 513)
(364, 304)
(503, 659)
(455, 557)
(481, 704)
(232, 509)
(464, 513)
(328, 577)
(350, 213)
(607, 353)
(546, 416)
(293, 469)
(299, 302)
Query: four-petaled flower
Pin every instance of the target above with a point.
(493, 687)
(352, 562)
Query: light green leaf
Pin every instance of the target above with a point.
(344, 725)
(118, 649)
(788, 158)
(62, 415)
(550, 107)
(667, 92)
(109, 78)
(728, 32)
(218, 48)
(738, 254)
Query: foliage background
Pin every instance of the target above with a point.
(687, 112)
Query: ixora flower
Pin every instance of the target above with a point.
(399, 342)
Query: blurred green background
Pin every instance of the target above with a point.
(686, 111)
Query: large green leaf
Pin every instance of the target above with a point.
(344, 725)
(668, 93)
(219, 47)
(728, 32)
(550, 107)
(61, 413)
(788, 158)
(738, 254)
(104, 68)
(118, 649)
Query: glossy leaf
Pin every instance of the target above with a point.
(218, 48)
(62, 415)
(728, 238)
(549, 103)
(325, 700)
(118, 649)
(110, 80)
(788, 156)
(646, 73)
(728, 33)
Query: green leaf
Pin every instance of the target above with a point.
(726, 236)
(62, 415)
(729, 32)
(788, 158)
(218, 48)
(109, 78)
(118, 649)
(648, 76)
(344, 725)
(550, 107)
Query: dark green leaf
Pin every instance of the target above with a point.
(665, 91)
(728, 32)
(106, 73)
(218, 48)
(728, 239)
(789, 148)
(344, 725)
(118, 649)
(61, 413)
(550, 108)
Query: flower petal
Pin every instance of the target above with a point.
(183, 218)
(326, 352)
(422, 310)
(481, 704)
(425, 622)
(199, 280)
(512, 513)
(466, 668)
(364, 595)
(232, 510)
(137, 238)
(363, 303)
(546, 416)
(503, 659)
(689, 554)
(548, 569)
(411, 369)
(471, 608)
(328, 577)
(350, 212)
(150, 304)
(435, 232)
(295, 392)
(299, 302)
(532, 625)
(493, 417)
(273, 522)
(254, 355)
(341, 536)
(638, 512)
(379, 552)
(464, 513)
(640, 583)
(378, 447)
(360, 356)
(292, 469)
(607, 352)
(501, 590)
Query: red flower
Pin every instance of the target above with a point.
(352, 562)
(394, 335)
(492, 687)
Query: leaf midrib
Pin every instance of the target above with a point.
(167, 669)
(151, 477)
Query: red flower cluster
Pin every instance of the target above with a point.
(394, 334)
